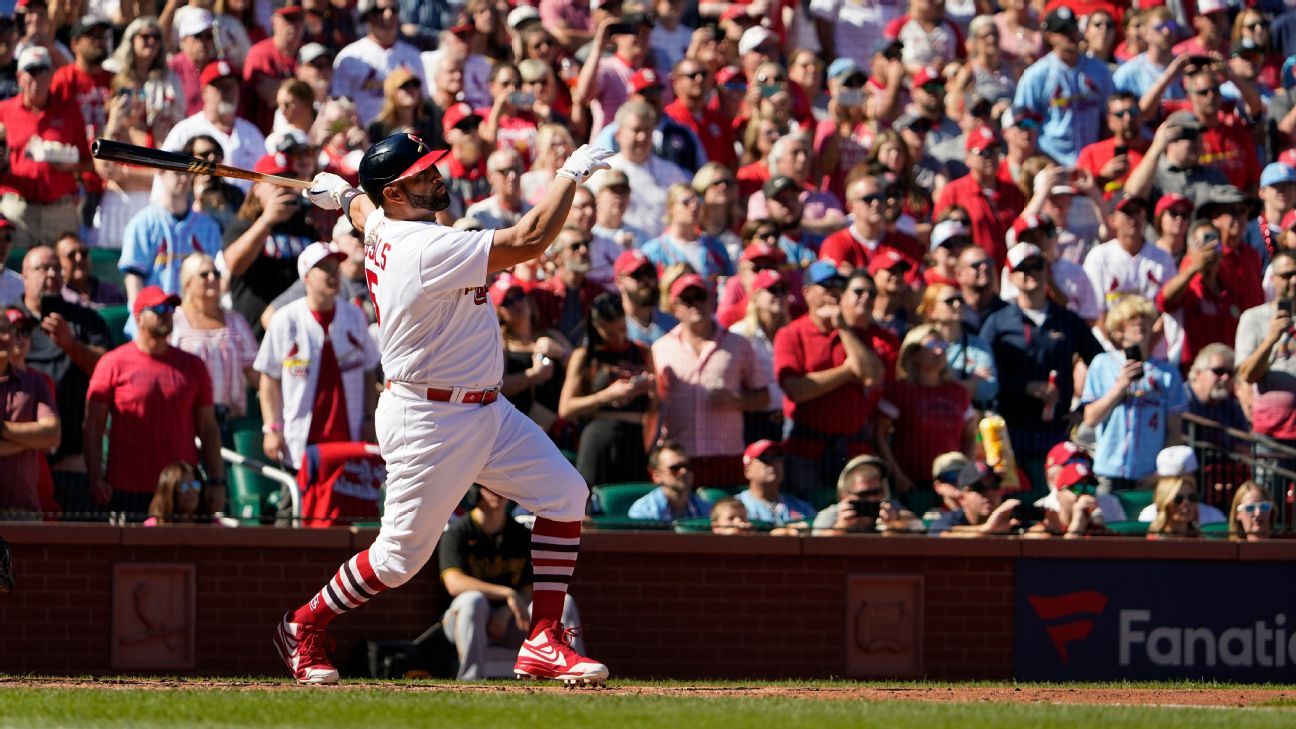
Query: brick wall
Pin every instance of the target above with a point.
(655, 605)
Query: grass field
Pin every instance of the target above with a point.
(630, 705)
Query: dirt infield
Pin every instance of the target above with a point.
(1108, 695)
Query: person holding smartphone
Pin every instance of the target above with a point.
(864, 503)
(1133, 401)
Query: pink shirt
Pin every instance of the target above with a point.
(611, 89)
(572, 14)
(227, 353)
(684, 380)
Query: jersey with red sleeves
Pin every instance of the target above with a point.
(428, 283)
(340, 483)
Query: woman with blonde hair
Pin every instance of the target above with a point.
(553, 145)
(1251, 515)
(762, 131)
(970, 358)
(221, 338)
(683, 240)
(178, 496)
(404, 108)
(922, 414)
(722, 213)
(1177, 513)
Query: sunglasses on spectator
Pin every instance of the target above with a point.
(647, 274)
(984, 487)
(1222, 371)
(149, 37)
(411, 85)
(1034, 266)
(1084, 488)
(778, 290)
(1257, 25)
(864, 292)
(1259, 507)
(953, 301)
(1190, 498)
(678, 467)
(161, 309)
(215, 275)
(1128, 113)
(1213, 91)
(1168, 26)
(577, 244)
(983, 263)
(934, 88)
(695, 75)
(693, 298)
(872, 198)
(73, 254)
(184, 486)
(1178, 212)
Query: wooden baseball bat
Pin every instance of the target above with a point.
(111, 151)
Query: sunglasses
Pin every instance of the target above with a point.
(186, 486)
(1259, 507)
(693, 299)
(1031, 267)
(1206, 92)
(695, 75)
(1257, 25)
(161, 309)
(1286, 276)
(149, 37)
(1086, 488)
(210, 274)
(778, 290)
(863, 293)
(1190, 498)
(954, 301)
(1222, 371)
(678, 467)
(1128, 113)
(647, 274)
(1168, 26)
(1177, 212)
(983, 263)
(876, 198)
(933, 88)
(205, 36)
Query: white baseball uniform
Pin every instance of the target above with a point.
(438, 329)
(361, 67)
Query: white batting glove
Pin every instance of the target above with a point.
(584, 162)
(327, 191)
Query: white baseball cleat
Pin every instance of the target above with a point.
(304, 649)
(548, 654)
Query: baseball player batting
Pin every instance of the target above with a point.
(441, 421)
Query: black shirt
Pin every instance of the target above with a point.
(500, 559)
(70, 381)
(275, 267)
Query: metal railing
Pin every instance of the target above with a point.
(1229, 457)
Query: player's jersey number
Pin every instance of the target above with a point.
(377, 255)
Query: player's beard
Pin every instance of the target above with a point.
(432, 201)
(162, 328)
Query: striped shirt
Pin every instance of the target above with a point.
(226, 352)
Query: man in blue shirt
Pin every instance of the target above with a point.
(1139, 73)
(1067, 88)
(636, 279)
(763, 468)
(674, 497)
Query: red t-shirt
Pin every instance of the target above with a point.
(152, 402)
(990, 211)
(263, 60)
(843, 247)
(801, 348)
(89, 92)
(39, 182)
(1208, 317)
(1094, 156)
(25, 397)
(340, 483)
(751, 178)
(189, 77)
(711, 128)
(929, 421)
(1229, 147)
(329, 409)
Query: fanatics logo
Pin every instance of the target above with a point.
(1075, 605)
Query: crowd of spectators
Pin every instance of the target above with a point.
(835, 235)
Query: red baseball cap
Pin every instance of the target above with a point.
(215, 71)
(643, 79)
(729, 73)
(762, 449)
(1061, 454)
(762, 250)
(273, 164)
(767, 279)
(1170, 200)
(734, 12)
(1029, 222)
(980, 138)
(153, 296)
(456, 114)
(686, 282)
(1074, 473)
(630, 261)
(289, 11)
(885, 260)
(463, 29)
(20, 318)
(502, 286)
(1288, 157)
(926, 75)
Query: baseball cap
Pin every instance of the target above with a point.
(20, 318)
(312, 254)
(1170, 200)
(952, 462)
(456, 115)
(312, 51)
(823, 272)
(946, 231)
(1175, 461)
(974, 473)
(779, 184)
(917, 123)
(1276, 173)
(756, 251)
(87, 23)
(858, 462)
(614, 178)
(766, 279)
(1075, 473)
(1062, 454)
(843, 67)
(927, 75)
(195, 21)
(1125, 203)
(275, 163)
(886, 260)
(980, 138)
(153, 296)
(686, 282)
(461, 30)
(644, 79)
(501, 288)
(395, 158)
(631, 261)
(33, 57)
(521, 15)
(764, 450)
(753, 38)
(1212, 198)
(290, 11)
(1026, 223)
(1061, 20)
(215, 71)
(1018, 117)
(1206, 7)
(1185, 126)
(1020, 253)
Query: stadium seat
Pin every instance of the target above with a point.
(714, 494)
(1128, 528)
(1134, 501)
(252, 497)
(615, 499)
(103, 265)
(621, 523)
(115, 317)
(1218, 530)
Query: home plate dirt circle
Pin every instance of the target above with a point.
(1170, 696)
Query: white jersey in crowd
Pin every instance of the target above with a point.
(436, 326)
(1070, 277)
(242, 147)
(360, 68)
(1113, 272)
